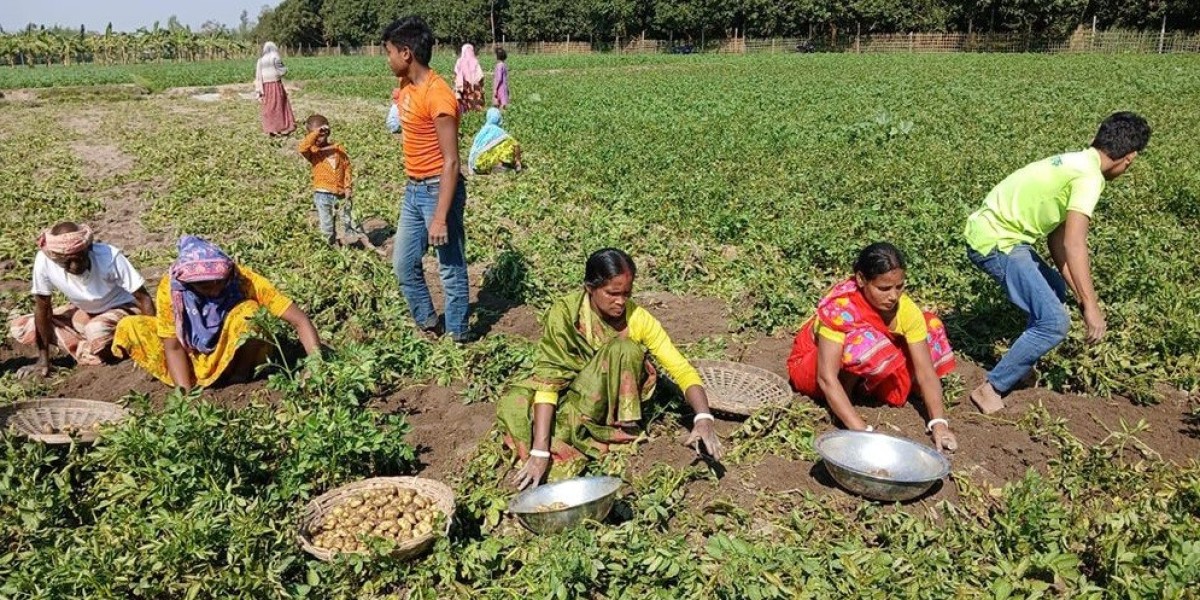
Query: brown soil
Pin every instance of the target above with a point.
(22, 95)
(768, 353)
(101, 161)
(120, 223)
(445, 431)
(687, 319)
(84, 123)
(113, 382)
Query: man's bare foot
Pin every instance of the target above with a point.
(987, 399)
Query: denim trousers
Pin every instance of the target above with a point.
(412, 242)
(1038, 290)
(326, 204)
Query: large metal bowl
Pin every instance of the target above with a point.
(879, 466)
(581, 498)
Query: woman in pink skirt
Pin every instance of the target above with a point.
(468, 80)
(277, 117)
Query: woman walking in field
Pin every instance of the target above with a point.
(201, 334)
(468, 80)
(277, 117)
(591, 377)
(868, 335)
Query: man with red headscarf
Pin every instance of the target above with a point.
(101, 288)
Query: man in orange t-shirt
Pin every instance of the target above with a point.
(436, 195)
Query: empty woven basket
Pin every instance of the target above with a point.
(738, 389)
(60, 420)
(318, 508)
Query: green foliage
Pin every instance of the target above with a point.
(728, 176)
(206, 495)
(495, 362)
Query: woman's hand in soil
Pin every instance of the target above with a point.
(703, 433)
(532, 473)
(943, 438)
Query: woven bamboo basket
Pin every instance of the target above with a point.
(44, 420)
(738, 389)
(316, 510)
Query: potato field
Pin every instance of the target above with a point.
(743, 186)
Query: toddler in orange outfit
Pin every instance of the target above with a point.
(331, 177)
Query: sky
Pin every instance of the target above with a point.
(125, 15)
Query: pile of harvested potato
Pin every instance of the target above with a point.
(400, 515)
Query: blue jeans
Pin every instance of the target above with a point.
(326, 204)
(1040, 291)
(412, 241)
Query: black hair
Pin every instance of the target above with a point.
(606, 263)
(1121, 134)
(877, 259)
(64, 227)
(414, 34)
(315, 121)
(501, 53)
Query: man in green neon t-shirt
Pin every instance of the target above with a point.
(1052, 198)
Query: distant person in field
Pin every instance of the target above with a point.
(332, 178)
(277, 117)
(435, 197)
(202, 334)
(592, 376)
(493, 149)
(1052, 198)
(468, 80)
(101, 288)
(868, 337)
(500, 79)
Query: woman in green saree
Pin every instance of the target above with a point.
(592, 375)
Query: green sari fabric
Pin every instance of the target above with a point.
(601, 379)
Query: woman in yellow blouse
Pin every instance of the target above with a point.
(204, 307)
(591, 377)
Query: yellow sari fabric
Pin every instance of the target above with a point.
(141, 338)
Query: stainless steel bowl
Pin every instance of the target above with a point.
(879, 466)
(553, 507)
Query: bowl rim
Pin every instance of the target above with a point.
(824, 438)
(616, 482)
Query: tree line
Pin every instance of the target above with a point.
(36, 45)
(354, 23)
(359, 22)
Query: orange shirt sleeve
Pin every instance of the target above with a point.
(308, 145)
(440, 102)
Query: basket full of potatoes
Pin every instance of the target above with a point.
(409, 512)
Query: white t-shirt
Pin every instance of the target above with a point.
(107, 284)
